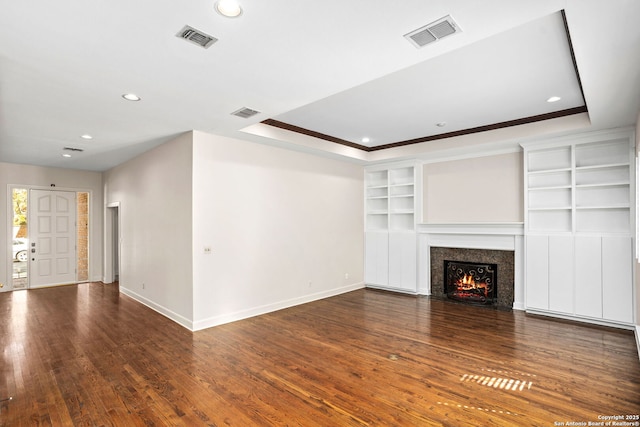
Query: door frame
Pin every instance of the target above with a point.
(9, 226)
(112, 241)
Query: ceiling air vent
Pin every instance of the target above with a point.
(432, 32)
(245, 113)
(192, 35)
(72, 149)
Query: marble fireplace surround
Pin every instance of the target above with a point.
(491, 236)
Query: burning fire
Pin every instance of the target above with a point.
(468, 283)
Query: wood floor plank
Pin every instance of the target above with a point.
(88, 355)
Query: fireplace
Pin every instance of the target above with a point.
(492, 243)
(501, 261)
(469, 282)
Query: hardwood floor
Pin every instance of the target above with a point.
(87, 355)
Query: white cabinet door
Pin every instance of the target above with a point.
(376, 266)
(617, 279)
(402, 261)
(588, 293)
(537, 272)
(561, 274)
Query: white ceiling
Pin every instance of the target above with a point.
(339, 68)
(482, 83)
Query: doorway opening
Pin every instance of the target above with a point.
(112, 243)
(24, 251)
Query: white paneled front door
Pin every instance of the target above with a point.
(52, 243)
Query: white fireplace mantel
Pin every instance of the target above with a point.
(495, 236)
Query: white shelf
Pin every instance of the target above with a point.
(377, 178)
(377, 192)
(624, 206)
(547, 171)
(608, 184)
(553, 159)
(377, 222)
(401, 190)
(603, 166)
(602, 153)
(553, 198)
(402, 204)
(551, 220)
(618, 174)
(381, 202)
(603, 220)
(559, 208)
(579, 210)
(557, 187)
(579, 186)
(401, 176)
(402, 221)
(390, 199)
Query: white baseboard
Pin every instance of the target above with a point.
(268, 308)
(390, 289)
(181, 320)
(51, 285)
(518, 306)
(580, 319)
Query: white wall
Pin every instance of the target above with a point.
(154, 192)
(482, 189)
(637, 283)
(481, 142)
(64, 179)
(284, 227)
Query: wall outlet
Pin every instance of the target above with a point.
(143, 286)
(309, 283)
(207, 249)
(346, 275)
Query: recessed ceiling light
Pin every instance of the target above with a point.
(554, 99)
(441, 124)
(66, 155)
(131, 97)
(365, 139)
(86, 136)
(228, 8)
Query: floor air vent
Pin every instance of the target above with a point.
(245, 113)
(192, 35)
(432, 32)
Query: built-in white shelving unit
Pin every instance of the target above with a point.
(391, 199)
(402, 199)
(390, 234)
(579, 227)
(602, 187)
(549, 193)
(377, 200)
